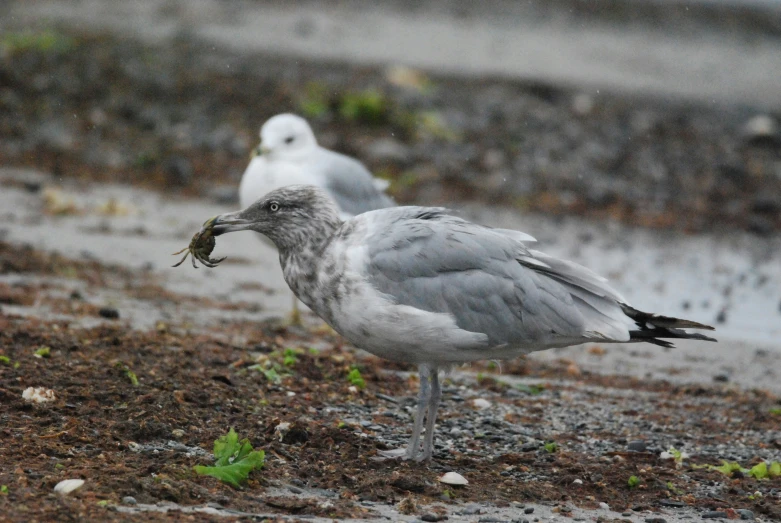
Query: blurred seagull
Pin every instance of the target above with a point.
(289, 154)
(419, 285)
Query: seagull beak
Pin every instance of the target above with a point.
(229, 222)
(259, 151)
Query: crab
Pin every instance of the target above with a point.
(201, 246)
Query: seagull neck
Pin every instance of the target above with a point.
(301, 258)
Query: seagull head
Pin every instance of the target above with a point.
(287, 137)
(292, 217)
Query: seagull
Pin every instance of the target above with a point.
(422, 286)
(289, 154)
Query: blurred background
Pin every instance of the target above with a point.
(638, 137)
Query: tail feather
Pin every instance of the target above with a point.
(654, 328)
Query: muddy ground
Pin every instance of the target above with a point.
(135, 444)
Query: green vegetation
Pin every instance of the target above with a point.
(355, 378)
(234, 460)
(4, 360)
(46, 42)
(551, 447)
(672, 488)
(289, 357)
(43, 352)
(762, 470)
(532, 390)
(314, 103)
(4, 490)
(633, 481)
(775, 411)
(369, 106)
(129, 374)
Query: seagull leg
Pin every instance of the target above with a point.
(413, 448)
(431, 416)
(424, 401)
(295, 313)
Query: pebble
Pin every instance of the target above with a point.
(430, 516)
(481, 403)
(129, 500)
(67, 486)
(109, 312)
(38, 395)
(637, 446)
(528, 510)
(745, 513)
(655, 520)
(604, 505)
(453, 478)
(714, 514)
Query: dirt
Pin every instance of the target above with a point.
(143, 440)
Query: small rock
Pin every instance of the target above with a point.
(38, 395)
(604, 506)
(109, 313)
(129, 500)
(281, 430)
(430, 516)
(177, 433)
(67, 486)
(578, 482)
(671, 503)
(637, 446)
(530, 446)
(528, 510)
(453, 478)
(761, 128)
(745, 513)
(714, 514)
(721, 377)
(626, 514)
(655, 520)
(294, 490)
(481, 403)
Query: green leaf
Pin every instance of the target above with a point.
(551, 447)
(234, 460)
(759, 471)
(774, 470)
(5, 360)
(43, 352)
(727, 467)
(633, 481)
(4, 489)
(355, 378)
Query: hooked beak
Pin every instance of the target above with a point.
(229, 222)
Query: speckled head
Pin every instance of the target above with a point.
(286, 136)
(292, 217)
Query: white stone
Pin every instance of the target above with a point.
(481, 403)
(38, 395)
(604, 505)
(578, 482)
(281, 429)
(352, 389)
(67, 486)
(453, 478)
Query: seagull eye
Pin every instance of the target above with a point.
(289, 139)
(273, 207)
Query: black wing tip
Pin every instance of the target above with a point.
(652, 327)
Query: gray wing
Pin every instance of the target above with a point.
(350, 184)
(489, 282)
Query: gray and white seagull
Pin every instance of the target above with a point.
(419, 285)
